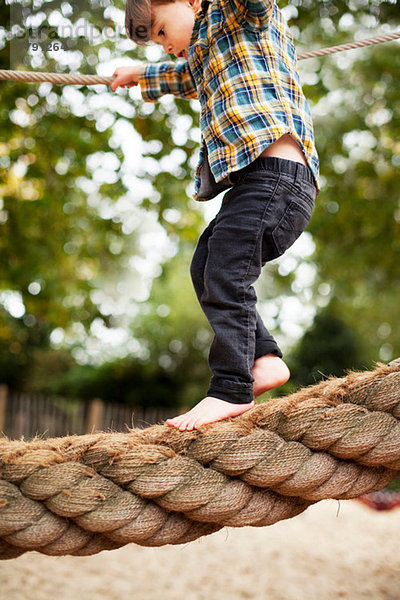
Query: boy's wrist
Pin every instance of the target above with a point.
(141, 75)
(141, 71)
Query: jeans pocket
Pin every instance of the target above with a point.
(291, 226)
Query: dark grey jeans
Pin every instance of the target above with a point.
(265, 211)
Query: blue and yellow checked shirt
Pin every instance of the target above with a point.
(242, 66)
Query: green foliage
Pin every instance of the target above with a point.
(62, 178)
(123, 381)
(329, 347)
(356, 226)
(175, 331)
(174, 335)
(394, 485)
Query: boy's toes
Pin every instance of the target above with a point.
(194, 421)
(201, 420)
(175, 422)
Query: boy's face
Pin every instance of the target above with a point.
(173, 25)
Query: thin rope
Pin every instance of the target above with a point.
(79, 79)
(368, 42)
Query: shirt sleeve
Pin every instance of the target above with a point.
(157, 79)
(256, 14)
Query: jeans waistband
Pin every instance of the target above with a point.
(280, 165)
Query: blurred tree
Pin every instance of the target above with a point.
(356, 225)
(174, 336)
(125, 381)
(65, 230)
(329, 347)
(174, 330)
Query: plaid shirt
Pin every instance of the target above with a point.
(242, 66)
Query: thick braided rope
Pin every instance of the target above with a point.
(83, 494)
(80, 79)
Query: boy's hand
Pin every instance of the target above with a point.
(125, 77)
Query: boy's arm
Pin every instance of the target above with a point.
(157, 79)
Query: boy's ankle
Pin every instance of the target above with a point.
(269, 372)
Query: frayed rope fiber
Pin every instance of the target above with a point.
(80, 495)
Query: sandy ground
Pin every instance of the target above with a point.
(330, 551)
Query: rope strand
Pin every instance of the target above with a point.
(79, 79)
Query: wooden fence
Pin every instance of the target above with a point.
(28, 415)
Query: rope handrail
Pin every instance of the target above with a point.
(350, 46)
(81, 79)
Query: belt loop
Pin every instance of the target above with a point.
(297, 175)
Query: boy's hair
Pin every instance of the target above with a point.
(139, 19)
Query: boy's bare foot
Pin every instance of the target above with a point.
(208, 410)
(269, 372)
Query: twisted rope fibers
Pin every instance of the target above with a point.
(83, 494)
(80, 79)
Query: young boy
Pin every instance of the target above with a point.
(238, 59)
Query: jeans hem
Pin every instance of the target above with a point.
(264, 347)
(231, 396)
